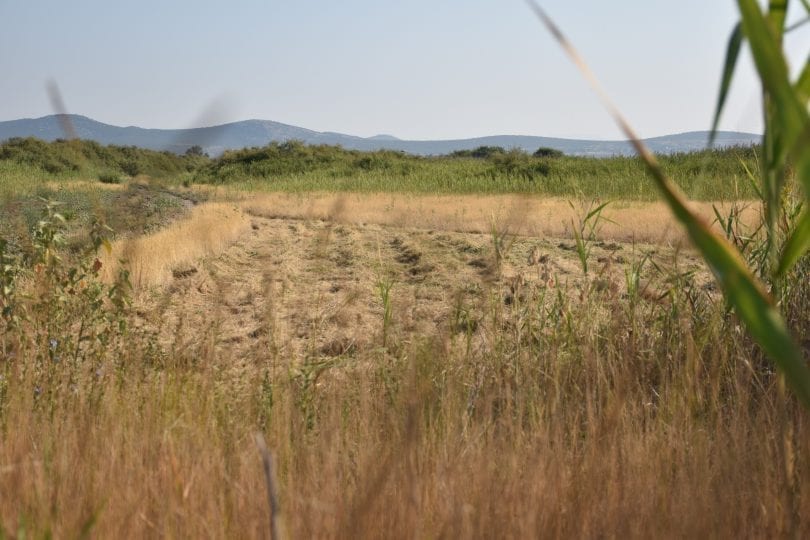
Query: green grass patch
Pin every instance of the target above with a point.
(708, 175)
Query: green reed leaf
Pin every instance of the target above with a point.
(797, 244)
(732, 54)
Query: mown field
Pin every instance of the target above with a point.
(456, 346)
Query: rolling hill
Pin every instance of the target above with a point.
(249, 133)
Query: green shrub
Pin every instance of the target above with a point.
(109, 178)
(130, 167)
(74, 316)
(544, 152)
(63, 157)
(482, 152)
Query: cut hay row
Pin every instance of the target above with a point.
(151, 259)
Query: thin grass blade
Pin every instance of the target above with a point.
(752, 180)
(724, 223)
(803, 83)
(596, 210)
(732, 54)
(797, 244)
(795, 26)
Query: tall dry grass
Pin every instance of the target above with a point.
(151, 259)
(625, 221)
(563, 413)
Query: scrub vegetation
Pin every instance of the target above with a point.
(293, 166)
(710, 175)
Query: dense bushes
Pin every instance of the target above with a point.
(544, 152)
(482, 152)
(88, 157)
(293, 165)
(109, 178)
(715, 174)
(294, 158)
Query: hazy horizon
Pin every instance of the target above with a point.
(394, 135)
(425, 71)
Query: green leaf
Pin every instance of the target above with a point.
(596, 210)
(797, 245)
(789, 104)
(732, 53)
(803, 83)
(791, 114)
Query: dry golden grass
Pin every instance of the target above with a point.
(500, 399)
(84, 185)
(542, 417)
(646, 222)
(172, 454)
(151, 259)
(319, 281)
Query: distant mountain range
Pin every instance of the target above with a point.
(248, 133)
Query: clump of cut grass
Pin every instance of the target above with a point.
(151, 259)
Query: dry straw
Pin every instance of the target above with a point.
(208, 230)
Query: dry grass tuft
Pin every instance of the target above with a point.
(153, 259)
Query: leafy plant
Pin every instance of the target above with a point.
(64, 315)
(384, 286)
(585, 231)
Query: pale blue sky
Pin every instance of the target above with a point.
(420, 69)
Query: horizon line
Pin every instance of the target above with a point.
(695, 131)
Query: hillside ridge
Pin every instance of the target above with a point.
(250, 133)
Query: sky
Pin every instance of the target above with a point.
(422, 69)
